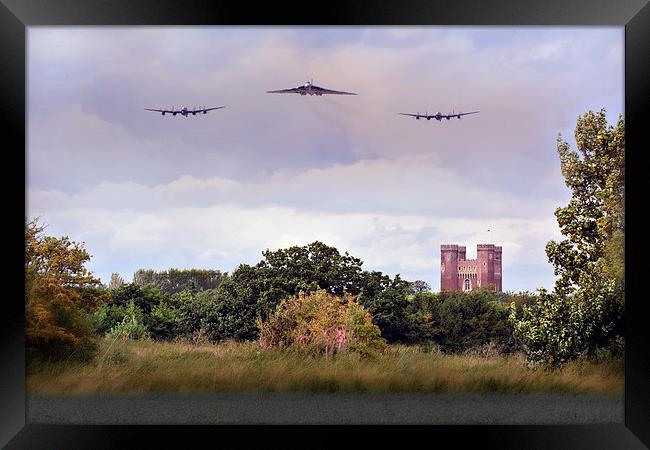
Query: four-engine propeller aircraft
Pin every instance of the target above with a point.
(184, 111)
(438, 116)
(311, 89)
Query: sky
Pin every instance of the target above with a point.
(269, 171)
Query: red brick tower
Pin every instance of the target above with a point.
(460, 274)
(449, 267)
(485, 259)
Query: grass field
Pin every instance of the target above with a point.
(136, 367)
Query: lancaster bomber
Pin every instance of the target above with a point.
(184, 111)
(438, 116)
(309, 88)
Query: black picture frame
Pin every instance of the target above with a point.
(16, 15)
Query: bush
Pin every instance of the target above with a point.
(465, 320)
(164, 321)
(322, 324)
(131, 327)
(107, 317)
(557, 328)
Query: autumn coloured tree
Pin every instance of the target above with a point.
(321, 323)
(59, 292)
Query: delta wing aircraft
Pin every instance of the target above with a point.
(438, 116)
(184, 111)
(309, 88)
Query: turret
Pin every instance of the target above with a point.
(448, 267)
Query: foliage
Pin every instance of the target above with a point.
(57, 295)
(557, 329)
(418, 287)
(386, 300)
(155, 311)
(321, 323)
(173, 281)
(585, 312)
(465, 320)
(311, 267)
(107, 316)
(253, 291)
(131, 326)
(144, 298)
(116, 281)
(595, 215)
(164, 322)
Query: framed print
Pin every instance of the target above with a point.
(413, 213)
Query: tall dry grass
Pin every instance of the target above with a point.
(145, 366)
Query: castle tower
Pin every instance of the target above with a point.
(457, 273)
(485, 259)
(449, 267)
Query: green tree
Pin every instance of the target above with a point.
(418, 286)
(465, 320)
(595, 215)
(386, 300)
(145, 299)
(255, 291)
(131, 326)
(585, 310)
(116, 281)
(173, 281)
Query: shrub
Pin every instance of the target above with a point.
(464, 320)
(321, 323)
(131, 327)
(163, 321)
(558, 328)
(107, 317)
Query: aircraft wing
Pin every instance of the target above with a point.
(329, 91)
(207, 109)
(464, 114)
(295, 90)
(412, 115)
(160, 110)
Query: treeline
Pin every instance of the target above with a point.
(405, 312)
(214, 306)
(173, 281)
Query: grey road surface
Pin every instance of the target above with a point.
(303, 408)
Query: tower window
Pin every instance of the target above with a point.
(467, 285)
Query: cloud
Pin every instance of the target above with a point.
(113, 73)
(392, 215)
(409, 185)
(223, 236)
(274, 170)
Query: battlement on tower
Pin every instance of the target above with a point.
(449, 247)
